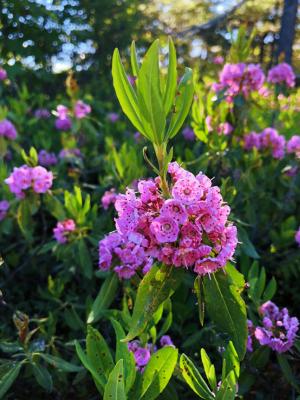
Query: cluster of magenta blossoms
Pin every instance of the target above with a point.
(4, 207)
(24, 178)
(282, 74)
(109, 198)
(268, 139)
(278, 330)
(63, 229)
(7, 129)
(46, 159)
(297, 236)
(241, 78)
(63, 121)
(142, 354)
(3, 74)
(190, 229)
(293, 146)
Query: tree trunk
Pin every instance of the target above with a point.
(287, 30)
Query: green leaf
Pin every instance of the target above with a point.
(287, 371)
(60, 364)
(125, 93)
(198, 288)
(157, 373)
(226, 307)
(115, 388)
(171, 84)
(228, 388)
(24, 219)
(85, 259)
(157, 286)
(270, 290)
(134, 61)
(209, 370)
(149, 94)
(9, 377)
(230, 361)
(183, 101)
(98, 352)
(42, 376)
(193, 378)
(104, 298)
(123, 353)
(246, 245)
(99, 380)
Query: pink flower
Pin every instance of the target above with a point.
(175, 210)
(188, 134)
(239, 79)
(165, 229)
(218, 60)
(225, 128)
(4, 207)
(293, 146)
(166, 341)
(278, 330)
(7, 129)
(62, 230)
(23, 178)
(81, 109)
(282, 73)
(3, 74)
(297, 236)
(208, 122)
(187, 190)
(63, 122)
(47, 159)
(113, 117)
(109, 197)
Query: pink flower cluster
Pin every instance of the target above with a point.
(3, 74)
(7, 129)
(24, 177)
(297, 236)
(42, 113)
(282, 73)
(278, 330)
(188, 134)
(109, 197)
(190, 229)
(4, 207)
(225, 128)
(267, 139)
(293, 146)
(63, 121)
(46, 159)
(142, 354)
(63, 229)
(241, 78)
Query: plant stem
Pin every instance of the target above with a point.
(160, 151)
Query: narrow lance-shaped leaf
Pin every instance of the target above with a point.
(183, 101)
(9, 377)
(115, 388)
(104, 298)
(171, 83)
(193, 378)
(125, 93)
(149, 95)
(134, 61)
(122, 352)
